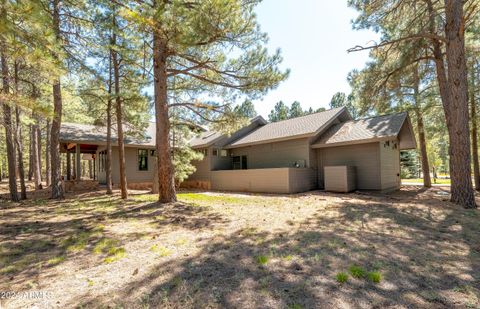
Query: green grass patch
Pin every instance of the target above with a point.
(262, 259)
(295, 306)
(357, 271)
(56, 260)
(440, 181)
(374, 276)
(111, 248)
(341, 277)
(161, 250)
(77, 242)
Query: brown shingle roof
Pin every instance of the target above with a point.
(363, 129)
(296, 127)
(75, 132)
(205, 139)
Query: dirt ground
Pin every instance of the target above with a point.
(408, 249)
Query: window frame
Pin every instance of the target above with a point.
(146, 160)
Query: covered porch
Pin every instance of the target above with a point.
(79, 170)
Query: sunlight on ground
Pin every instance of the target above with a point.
(238, 250)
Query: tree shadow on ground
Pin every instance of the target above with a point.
(44, 233)
(427, 255)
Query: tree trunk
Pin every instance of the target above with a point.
(21, 168)
(30, 151)
(57, 189)
(108, 161)
(166, 183)
(35, 156)
(7, 122)
(48, 176)
(18, 140)
(473, 117)
(118, 104)
(427, 182)
(458, 126)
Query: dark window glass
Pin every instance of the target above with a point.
(239, 162)
(142, 160)
(244, 162)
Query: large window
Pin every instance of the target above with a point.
(142, 160)
(239, 162)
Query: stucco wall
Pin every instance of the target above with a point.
(269, 180)
(365, 157)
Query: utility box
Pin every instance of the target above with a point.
(340, 178)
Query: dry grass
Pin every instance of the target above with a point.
(410, 249)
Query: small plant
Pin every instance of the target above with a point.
(342, 277)
(288, 257)
(262, 259)
(56, 260)
(357, 272)
(160, 250)
(375, 276)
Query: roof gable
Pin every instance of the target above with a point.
(209, 138)
(304, 126)
(369, 129)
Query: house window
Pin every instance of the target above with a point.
(142, 160)
(239, 162)
(223, 153)
(153, 153)
(204, 152)
(215, 152)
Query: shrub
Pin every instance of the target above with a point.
(375, 276)
(357, 272)
(262, 259)
(342, 277)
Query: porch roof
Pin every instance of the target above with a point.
(97, 135)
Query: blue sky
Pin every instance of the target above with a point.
(314, 36)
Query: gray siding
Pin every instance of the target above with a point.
(389, 165)
(365, 158)
(131, 167)
(274, 155)
(203, 168)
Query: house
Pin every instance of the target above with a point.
(77, 139)
(289, 156)
(282, 157)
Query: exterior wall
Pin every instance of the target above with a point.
(302, 179)
(365, 158)
(389, 165)
(274, 155)
(340, 178)
(203, 168)
(270, 180)
(131, 167)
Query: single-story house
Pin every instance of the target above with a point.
(288, 156)
(140, 160)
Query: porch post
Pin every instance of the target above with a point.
(78, 170)
(69, 165)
